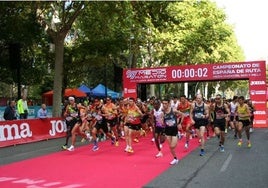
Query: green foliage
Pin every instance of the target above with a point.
(125, 33)
(18, 23)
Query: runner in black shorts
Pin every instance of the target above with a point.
(221, 115)
(71, 116)
(132, 123)
(159, 127)
(171, 127)
(199, 114)
(243, 113)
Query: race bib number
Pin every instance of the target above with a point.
(170, 122)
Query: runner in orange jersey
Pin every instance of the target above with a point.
(110, 114)
(132, 123)
(185, 107)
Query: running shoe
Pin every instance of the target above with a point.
(89, 137)
(174, 161)
(239, 143)
(221, 148)
(226, 130)
(130, 150)
(116, 143)
(202, 153)
(95, 148)
(71, 148)
(103, 138)
(186, 145)
(126, 149)
(83, 140)
(64, 147)
(249, 144)
(160, 154)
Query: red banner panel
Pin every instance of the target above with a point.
(254, 71)
(31, 130)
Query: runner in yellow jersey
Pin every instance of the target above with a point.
(243, 113)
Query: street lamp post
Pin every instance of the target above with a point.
(130, 59)
(196, 88)
(105, 78)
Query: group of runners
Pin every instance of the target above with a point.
(129, 119)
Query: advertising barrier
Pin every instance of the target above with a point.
(254, 71)
(31, 130)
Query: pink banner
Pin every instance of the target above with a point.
(254, 71)
(31, 130)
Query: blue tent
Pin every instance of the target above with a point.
(99, 91)
(85, 89)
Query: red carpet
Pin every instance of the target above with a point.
(110, 166)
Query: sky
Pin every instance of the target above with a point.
(250, 21)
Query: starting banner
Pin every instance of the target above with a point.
(32, 130)
(254, 71)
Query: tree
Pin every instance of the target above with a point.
(145, 34)
(20, 32)
(57, 18)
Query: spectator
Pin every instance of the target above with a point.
(23, 108)
(10, 112)
(42, 112)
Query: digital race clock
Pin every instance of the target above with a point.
(190, 73)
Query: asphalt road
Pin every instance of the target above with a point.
(236, 167)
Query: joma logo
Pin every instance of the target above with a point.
(254, 83)
(14, 131)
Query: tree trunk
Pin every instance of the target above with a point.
(57, 86)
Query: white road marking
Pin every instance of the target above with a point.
(226, 163)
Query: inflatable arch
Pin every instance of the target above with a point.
(254, 71)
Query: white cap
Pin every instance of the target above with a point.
(71, 98)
